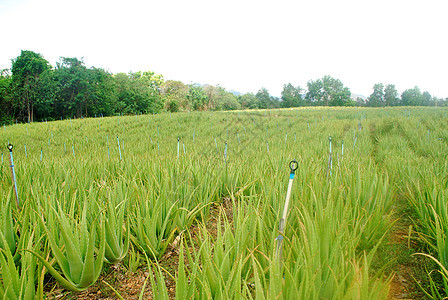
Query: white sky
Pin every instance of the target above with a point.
(239, 44)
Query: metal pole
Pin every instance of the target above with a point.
(13, 173)
(225, 153)
(119, 150)
(330, 160)
(293, 165)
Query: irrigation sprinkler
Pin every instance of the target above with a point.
(178, 141)
(293, 165)
(26, 154)
(225, 153)
(330, 160)
(119, 149)
(108, 149)
(13, 172)
(41, 155)
(2, 158)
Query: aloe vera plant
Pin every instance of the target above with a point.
(18, 281)
(74, 246)
(117, 231)
(8, 242)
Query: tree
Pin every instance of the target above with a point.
(292, 96)
(6, 111)
(46, 96)
(175, 96)
(74, 87)
(197, 97)
(391, 96)
(376, 99)
(426, 99)
(328, 91)
(248, 101)
(264, 99)
(212, 95)
(412, 97)
(226, 100)
(139, 92)
(26, 70)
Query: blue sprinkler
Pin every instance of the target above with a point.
(293, 165)
(13, 172)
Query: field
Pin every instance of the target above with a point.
(188, 205)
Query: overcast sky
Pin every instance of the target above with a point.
(241, 45)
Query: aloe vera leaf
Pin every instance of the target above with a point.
(73, 256)
(65, 283)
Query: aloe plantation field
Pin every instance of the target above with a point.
(190, 203)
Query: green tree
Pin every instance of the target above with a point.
(26, 70)
(197, 97)
(376, 99)
(427, 99)
(212, 96)
(412, 97)
(46, 96)
(226, 100)
(328, 91)
(139, 92)
(73, 87)
(175, 96)
(248, 101)
(391, 96)
(265, 101)
(7, 110)
(103, 100)
(292, 96)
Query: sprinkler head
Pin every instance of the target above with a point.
(10, 147)
(293, 165)
(329, 138)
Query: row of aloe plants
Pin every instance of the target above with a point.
(414, 151)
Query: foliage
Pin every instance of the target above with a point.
(328, 91)
(292, 96)
(36, 92)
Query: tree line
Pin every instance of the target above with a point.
(33, 90)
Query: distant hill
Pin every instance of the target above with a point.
(356, 96)
(236, 93)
